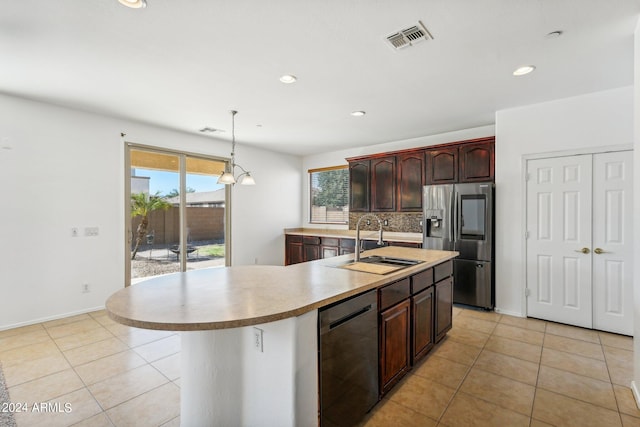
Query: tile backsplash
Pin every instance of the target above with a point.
(398, 222)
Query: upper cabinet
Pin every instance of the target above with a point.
(442, 165)
(383, 184)
(392, 182)
(476, 162)
(359, 186)
(410, 181)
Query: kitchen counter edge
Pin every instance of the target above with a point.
(251, 295)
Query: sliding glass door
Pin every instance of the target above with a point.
(177, 213)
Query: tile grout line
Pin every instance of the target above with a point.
(457, 390)
(615, 396)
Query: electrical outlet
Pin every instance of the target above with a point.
(85, 288)
(257, 339)
(420, 223)
(386, 222)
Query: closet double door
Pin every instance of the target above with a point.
(579, 245)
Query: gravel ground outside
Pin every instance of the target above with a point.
(160, 262)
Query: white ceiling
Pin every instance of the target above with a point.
(183, 64)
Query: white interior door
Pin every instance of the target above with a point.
(559, 200)
(612, 242)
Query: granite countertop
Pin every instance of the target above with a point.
(230, 297)
(392, 236)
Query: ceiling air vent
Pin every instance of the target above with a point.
(409, 36)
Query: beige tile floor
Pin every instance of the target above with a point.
(491, 370)
(497, 370)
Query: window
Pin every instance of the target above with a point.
(329, 195)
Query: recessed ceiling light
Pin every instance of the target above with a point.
(526, 69)
(134, 4)
(358, 113)
(288, 78)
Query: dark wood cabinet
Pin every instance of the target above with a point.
(476, 162)
(301, 248)
(329, 247)
(293, 250)
(442, 165)
(359, 186)
(393, 181)
(383, 184)
(443, 307)
(410, 180)
(394, 344)
(422, 328)
(347, 246)
(310, 248)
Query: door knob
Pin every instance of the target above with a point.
(583, 250)
(599, 251)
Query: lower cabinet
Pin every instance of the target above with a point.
(423, 332)
(293, 253)
(329, 247)
(302, 248)
(414, 315)
(394, 344)
(444, 307)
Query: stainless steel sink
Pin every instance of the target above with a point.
(377, 264)
(385, 260)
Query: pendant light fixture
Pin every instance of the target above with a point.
(228, 175)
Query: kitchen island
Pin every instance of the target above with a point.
(249, 347)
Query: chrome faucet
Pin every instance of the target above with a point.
(358, 248)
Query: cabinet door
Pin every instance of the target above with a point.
(422, 310)
(442, 166)
(329, 247)
(383, 184)
(293, 250)
(311, 252)
(347, 246)
(394, 344)
(311, 248)
(410, 182)
(359, 186)
(329, 251)
(444, 307)
(476, 162)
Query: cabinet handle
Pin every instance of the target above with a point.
(583, 250)
(599, 251)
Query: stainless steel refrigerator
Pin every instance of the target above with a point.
(459, 217)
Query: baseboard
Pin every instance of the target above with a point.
(508, 313)
(636, 393)
(47, 319)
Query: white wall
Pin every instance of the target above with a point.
(593, 120)
(636, 210)
(336, 158)
(65, 168)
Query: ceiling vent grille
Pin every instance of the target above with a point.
(409, 36)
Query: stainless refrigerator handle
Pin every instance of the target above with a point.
(454, 217)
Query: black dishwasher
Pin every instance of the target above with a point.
(348, 360)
